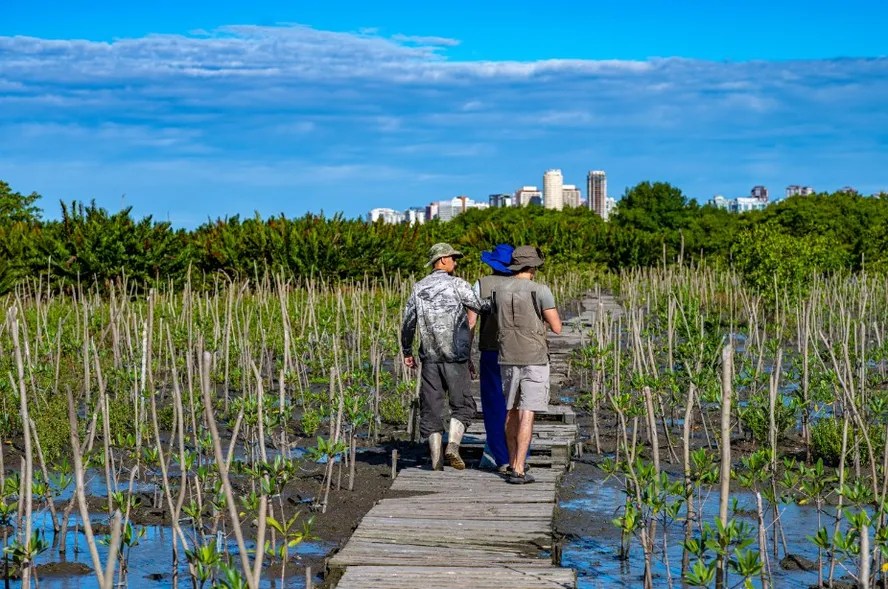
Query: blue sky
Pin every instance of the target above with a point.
(197, 110)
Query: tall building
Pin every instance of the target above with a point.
(527, 195)
(386, 215)
(448, 209)
(570, 196)
(431, 211)
(415, 215)
(553, 186)
(796, 190)
(741, 204)
(759, 192)
(501, 200)
(596, 192)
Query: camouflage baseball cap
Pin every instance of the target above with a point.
(441, 250)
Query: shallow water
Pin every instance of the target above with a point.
(596, 558)
(151, 557)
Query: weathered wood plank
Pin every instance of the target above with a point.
(409, 577)
(368, 552)
(397, 508)
(468, 476)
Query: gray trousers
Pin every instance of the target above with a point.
(439, 379)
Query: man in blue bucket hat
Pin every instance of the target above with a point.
(493, 403)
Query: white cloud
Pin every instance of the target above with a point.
(275, 106)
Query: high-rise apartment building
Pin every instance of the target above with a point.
(528, 195)
(741, 204)
(415, 215)
(386, 215)
(596, 192)
(501, 200)
(796, 190)
(553, 190)
(448, 209)
(570, 196)
(760, 192)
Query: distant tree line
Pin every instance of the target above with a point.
(654, 223)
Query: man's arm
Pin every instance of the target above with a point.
(550, 313)
(473, 315)
(551, 317)
(470, 298)
(408, 331)
(473, 319)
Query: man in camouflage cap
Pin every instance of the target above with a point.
(437, 307)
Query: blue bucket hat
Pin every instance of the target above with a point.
(499, 259)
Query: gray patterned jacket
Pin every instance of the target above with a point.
(437, 306)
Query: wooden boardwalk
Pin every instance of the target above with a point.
(470, 529)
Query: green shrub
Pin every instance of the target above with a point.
(756, 417)
(826, 440)
(394, 406)
(51, 422)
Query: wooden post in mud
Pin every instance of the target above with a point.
(394, 464)
(725, 478)
(309, 582)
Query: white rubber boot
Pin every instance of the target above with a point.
(435, 451)
(454, 437)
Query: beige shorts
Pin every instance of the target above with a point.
(526, 387)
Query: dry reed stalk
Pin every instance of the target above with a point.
(725, 447)
(248, 572)
(167, 489)
(105, 576)
(27, 471)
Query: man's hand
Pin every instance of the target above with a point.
(409, 361)
(473, 374)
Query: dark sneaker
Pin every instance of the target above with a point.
(520, 479)
(506, 470)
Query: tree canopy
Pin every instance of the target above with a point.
(654, 223)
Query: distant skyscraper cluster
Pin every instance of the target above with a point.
(555, 195)
(757, 200)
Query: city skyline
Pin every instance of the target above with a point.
(199, 111)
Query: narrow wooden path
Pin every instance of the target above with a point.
(463, 529)
(470, 529)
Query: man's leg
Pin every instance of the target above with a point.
(462, 408)
(493, 405)
(533, 396)
(512, 435)
(524, 434)
(431, 409)
(511, 383)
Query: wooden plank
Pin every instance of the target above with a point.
(469, 476)
(410, 577)
(436, 532)
(368, 552)
(396, 508)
